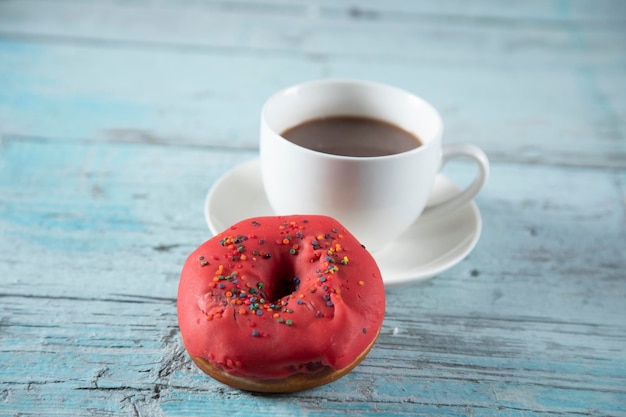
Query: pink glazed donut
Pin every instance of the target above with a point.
(280, 304)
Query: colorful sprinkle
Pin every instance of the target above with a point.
(255, 333)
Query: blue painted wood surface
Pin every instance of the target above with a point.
(117, 117)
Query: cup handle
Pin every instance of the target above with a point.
(461, 150)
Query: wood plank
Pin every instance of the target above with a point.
(544, 78)
(525, 113)
(94, 235)
(479, 30)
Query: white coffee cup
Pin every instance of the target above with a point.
(376, 198)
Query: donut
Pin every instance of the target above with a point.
(280, 303)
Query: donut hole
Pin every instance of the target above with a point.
(286, 284)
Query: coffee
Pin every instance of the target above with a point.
(352, 136)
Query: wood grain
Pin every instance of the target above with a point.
(551, 78)
(117, 117)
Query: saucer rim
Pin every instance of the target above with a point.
(396, 279)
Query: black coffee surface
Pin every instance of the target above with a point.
(352, 136)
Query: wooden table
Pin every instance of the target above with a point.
(117, 117)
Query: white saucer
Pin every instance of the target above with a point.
(428, 248)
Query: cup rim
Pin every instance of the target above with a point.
(369, 84)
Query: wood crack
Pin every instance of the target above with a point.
(132, 299)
